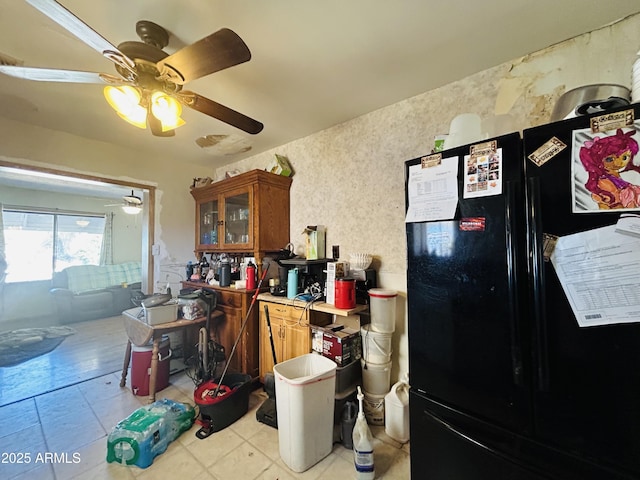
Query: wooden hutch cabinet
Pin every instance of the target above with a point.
(246, 214)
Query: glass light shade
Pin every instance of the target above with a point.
(131, 209)
(125, 100)
(166, 109)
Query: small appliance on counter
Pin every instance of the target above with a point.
(311, 273)
(365, 280)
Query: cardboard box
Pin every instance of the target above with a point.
(337, 342)
(280, 166)
(315, 242)
(337, 270)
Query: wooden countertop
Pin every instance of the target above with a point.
(317, 306)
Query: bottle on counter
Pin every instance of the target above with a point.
(225, 272)
(251, 276)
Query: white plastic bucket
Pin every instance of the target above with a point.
(305, 391)
(376, 346)
(373, 406)
(376, 378)
(382, 306)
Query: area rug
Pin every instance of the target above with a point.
(18, 346)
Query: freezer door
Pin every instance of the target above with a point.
(447, 444)
(464, 301)
(587, 380)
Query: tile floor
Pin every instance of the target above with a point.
(73, 423)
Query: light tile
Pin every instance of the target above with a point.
(314, 472)
(266, 440)
(42, 471)
(276, 472)
(61, 402)
(22, 449)
(18, 416)
(106, 471)
(247, 426)
(69, 432)
(213, 448)
(110, 411)
(176, 462)
(106, 386)
(88, 456)
(399, 468)
(77, 419)
(243, 462)
(339, 468)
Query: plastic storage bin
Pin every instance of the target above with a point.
(382, 305)
(305, 396)
(147, 432)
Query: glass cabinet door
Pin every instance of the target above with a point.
(209, 223)
(236, 219)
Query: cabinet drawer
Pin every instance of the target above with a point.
(285, 312)
(232, 314)
(229, 298)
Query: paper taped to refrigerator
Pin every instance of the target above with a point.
(598, 270)
(433, 191)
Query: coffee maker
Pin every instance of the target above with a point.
(311, 273)
(365, 280)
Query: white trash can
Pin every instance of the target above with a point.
(305, 390)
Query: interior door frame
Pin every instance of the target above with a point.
(148, 212)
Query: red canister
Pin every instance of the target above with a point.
(345, 293)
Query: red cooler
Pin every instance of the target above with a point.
(141, 367)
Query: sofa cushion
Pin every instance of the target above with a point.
(85, 278)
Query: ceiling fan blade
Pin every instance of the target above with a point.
(220, 50)
(156, 127)
(222, 113)
(53, 75)
(84, 32)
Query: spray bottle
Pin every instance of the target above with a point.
(362, 444)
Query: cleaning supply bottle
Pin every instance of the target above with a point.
(396, 411)
(362, 444)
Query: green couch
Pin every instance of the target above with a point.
(87, 292)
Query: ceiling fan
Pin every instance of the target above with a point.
(150, 81)
(131, 204)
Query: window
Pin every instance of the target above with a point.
(40, 243)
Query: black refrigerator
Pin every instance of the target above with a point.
(506, 383)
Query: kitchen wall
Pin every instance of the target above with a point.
(29, 302)
(350, 177)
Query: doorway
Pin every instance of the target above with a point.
(98, 345)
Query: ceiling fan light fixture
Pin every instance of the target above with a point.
(166, 109)
(131, 209)
(125, 100)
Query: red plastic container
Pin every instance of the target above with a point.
(345, 293)
(141, 367)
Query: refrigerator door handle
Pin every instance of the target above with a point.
(512, 280)
(536, 265)
(469, 437)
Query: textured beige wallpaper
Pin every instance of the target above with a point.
(351, 176)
